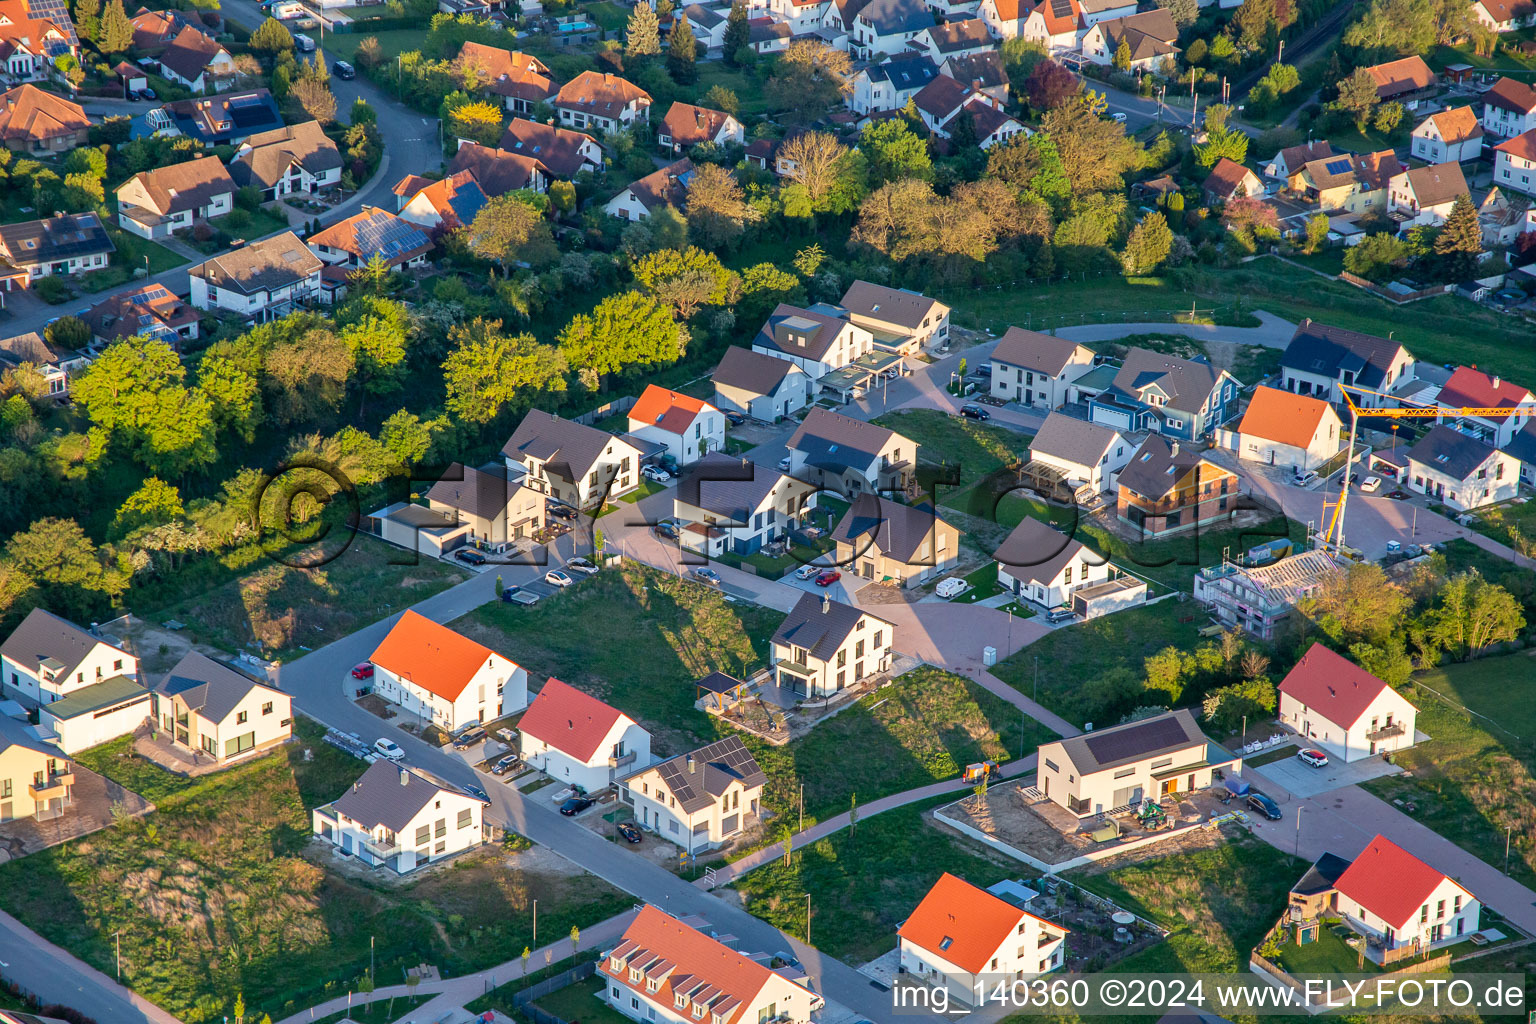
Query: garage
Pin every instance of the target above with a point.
(95, 714)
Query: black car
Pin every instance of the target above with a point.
(574, 806)
(562, 511)
(974, 412)
(476, 791)
(1265, 806)
(341, 69)
(736, 418)
(469, 557)
(667, 530)
(629, 832)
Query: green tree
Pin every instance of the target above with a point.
(68, 332)
(1460, 241)
(82, 192)
(233, 393)
(1388, 117)
(1147, 246)
(1377, 257)
(88, 19)
(738, 33)
(1183, 12)
(307, 374)
(642, 37)
(809, 260)
(893, 150)
(87, 160)
(378, 334)
(1095, 153)
(1252, 699)
(135, 392)
(1122, 58)
(764, 286)
(718, 211)
(272, 38)
(1358, 97)
(56, 566)
(625, 333)
(489, 372)
(116, 29)
(407, 437)
(508, 231)
(1473, 614)
(1221, 140)
(720, 98)
(685, 280)
(155, 503)
(682, 53)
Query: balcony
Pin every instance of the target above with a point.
(53, 788)
(1386, 732)
(620, 760)
(381, 848)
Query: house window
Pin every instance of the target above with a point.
(1164, 763)
(240, 744)
(441, 847)
(266, 708)
(441, 827)
(423, 835)
(1052, 765)
(466, 817)
(241, 717)
(877, 639)
(211, 745)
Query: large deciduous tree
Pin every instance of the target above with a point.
(825, 176)
(809, 77)
(136, 393)
(508, 231)
(625, 333)
(717, 208)
(489, 372)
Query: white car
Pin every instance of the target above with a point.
(556, 578)
(1371, 484)
(655, 474)
(583, 566)
(952, 587)
(1119, 116)
(388, 748)
(784, 464)
(1314, 757)
(805, 572)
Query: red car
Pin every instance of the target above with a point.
(826, 579)
(363, 671)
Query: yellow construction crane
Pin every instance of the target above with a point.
(1333, 533)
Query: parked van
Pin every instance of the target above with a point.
(304, 43)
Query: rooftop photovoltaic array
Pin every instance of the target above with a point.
(1136, 740)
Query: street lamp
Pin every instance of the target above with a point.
(807, 919)
(1507, 830)
(1299, 809)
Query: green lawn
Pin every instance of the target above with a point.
(121, 271)
(608, 16)
(983, 581)
(1504, 58)
(1330, 954)
(1514, 525)
(580, 1003)
(947, 445)
(117, 761)
(864, 884)
(645, 490)
(394, 41)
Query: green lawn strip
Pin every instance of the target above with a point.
(393, 41)
(579, 1002)
(379, 1011)
(536, 786)
(983, 581)
(969, 447)
(888, 863)
(1270, 756)
(1510, 524)
(645, 490)
(1218, 903)
(500, 997)
(1330, 954)
(608, 16)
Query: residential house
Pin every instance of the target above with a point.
(206, 706)
(438, 675)
(1149, 38)
(575, 738)
(1450, 136)
(966, 940)
(1403, 79)
(602, 102)
(1321, 360)
(1505, 15)
(1285, 429)
(1260, 600)
(262, 280)
(1182, 398)
(1425, 195)
(563, 153)
(229, 118)
(1461, 471)
(759, 385)
(1522, 448)
(1038, 564)
(498, 511)
(1081, 454)
(31, 39)
(689, 427)
(664, 969)
(94, 714)
(707, 24)
(569, 461)
(1291, 159)
(886, 26)
(954, 39)
(1314, 895)
(898, 319)
(1471, 388)
(1229, 180)
(687, 125)
(446, 204)
(1168, 487)
(850, 456)
(802, 16)
(700, 800)
(155, 203)
(76, 243)
(1037, 370)
(665, 187)
(815, 342)
(990, 125)
(943, 100)
(193, 59)
(1051, 23)
(824, 646)
(984, 72)
(1337, 705)
(1502, 221)
(725, 504)
(764, 35)
(1401, 905)
(150, 309)
(294, 158)
(521, 80)
(1514, 163)
(53, 363)
(36, 122)
(1151, 759)
(496, 171)
(1095, 11)
(153, 31)
(398, 818)
(354, 242)
(1509, 108)
(889, 84)
(880, 539)
(46, 659)
(36, 779)
(1350, 183)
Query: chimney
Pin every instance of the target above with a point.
(1173, 448)
(691, 766)
(405, 777)
(1496, 382)
(826, 604)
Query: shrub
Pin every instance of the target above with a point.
(202, 231)
(248, 198)
(53, 290)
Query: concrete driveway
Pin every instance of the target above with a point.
(1302, 780)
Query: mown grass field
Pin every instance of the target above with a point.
(953, 445)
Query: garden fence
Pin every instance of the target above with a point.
(525, 998)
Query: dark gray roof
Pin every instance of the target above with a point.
(1033, 351)
(266, 156)
(892, 305)
(567, 447)
(1036, 552)
(17, 734)
(906, 71)
(1523, 445)
(1148, 473)
(264, 266)
(1447, 450)
(699, 778)
(1321, 876)
(1073, 440)
(1136, 741)
(897, 530)
(56, 238)
(1186, 382)
(753, 371)
(388, 794)
(891, 16)
(475, 491)
(819, 624)
(966, 34)
(727, 486)
(799, 332)
(1331, 351)
(33, 348)
(208, 687)
(43, 634)
(982, 70)
(833, 441)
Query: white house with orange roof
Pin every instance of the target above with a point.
(575, 738)
(1470, 387)
(1053, 24)
(1283, 429)
(1337, 705)
(1514, 163)
(665, 970)
(1449, 135)
(960, 937)
(433, 672)
(1402, 905)
(689, 427)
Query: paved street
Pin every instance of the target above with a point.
(56, 976)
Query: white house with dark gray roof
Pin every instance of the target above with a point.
(569, 461)
(723, 503)
(263, 280)
(1121, 766)
(759, 385)
(210, 708)
(1321, 358)
(1039, 564)
(497, 510)
(53, 363)
(47, 658)
(1522, 448)
(900, 320)
(398, 818)
(1460, 471)
(1179, 398)
(983, 72)
(700, 800)
(887, 26)
(1085, 454)
(1036, 369)
(890, 84)
(294, 158)
(850, 456)
(824, 646)
(95, 714)
(881, 539)
(815, 342)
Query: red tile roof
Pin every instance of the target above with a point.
(1396, 77)
(1521, 146)
(1517, 97)
(28, 113)
(1276, 415)
(1457, 124)
(687, 124)
(1390, 882)
(963, 924)
(430, 655)
(510, 73)
(602, 95)
(1332, 685)
(1227, 175)
(1060, 15)
(568, 720)
(1470, 386)
(668, 410)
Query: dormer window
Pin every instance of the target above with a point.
(698, 1010)
(651, 984)
(681, 1001)
(634, 975)
(615, 964)
(946, 942)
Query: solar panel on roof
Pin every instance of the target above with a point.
(1136, 740)
(1337, 166)
(55, 11)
